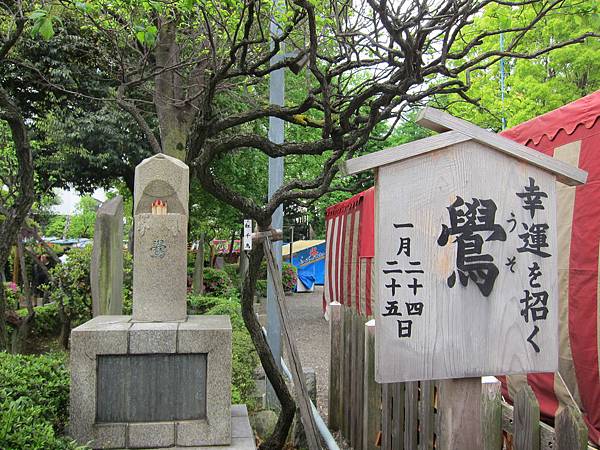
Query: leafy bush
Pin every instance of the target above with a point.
(261, 288)
(200, 304)
(289, 277)
(34, 395)
(46, 322)
(244, 357)
(12, 293)
(232, 271)
(127, 283)
(70, 285)
(217, 283)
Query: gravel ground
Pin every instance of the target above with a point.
(311, 332)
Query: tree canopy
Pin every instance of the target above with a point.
(192, 77)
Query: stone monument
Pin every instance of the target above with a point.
(106, 271)
(158, 378)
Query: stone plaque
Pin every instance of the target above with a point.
(151, 388)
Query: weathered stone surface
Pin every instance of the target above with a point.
(211, 335)
(239, 411)
(245, 442)
(106, 268)
(161, 177)
(101, 335)
(151, 434)
(263, 422)
(160, 268)
(240, 427)
(160, 248)
(119, 338)
(113, 435)
(153, 337)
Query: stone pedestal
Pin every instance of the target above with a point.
(151, 385)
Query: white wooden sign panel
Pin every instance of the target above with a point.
(465, 266)
(247, 238)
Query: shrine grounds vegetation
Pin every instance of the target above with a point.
(34, 396)
(34, 389)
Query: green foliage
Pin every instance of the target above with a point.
(55, 226)
(216, 282)
(232, 271)
(261, 288)
(34, 395)
(244, 357)
(289, 276)
(46, 322)
(533, 86)
(200, 304)
(127, 283)
(70, 285)
(42, 24)
(12, 294)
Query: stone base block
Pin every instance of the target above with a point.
(153, 385)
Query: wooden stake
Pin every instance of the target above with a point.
(310, 427)
(460, 410)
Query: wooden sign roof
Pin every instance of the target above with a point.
(453, 131)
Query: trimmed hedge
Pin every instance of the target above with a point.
(34, 396)
(244, 357)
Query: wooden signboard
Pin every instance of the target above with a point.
(465, 256)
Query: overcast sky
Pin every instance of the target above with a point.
(70, 198)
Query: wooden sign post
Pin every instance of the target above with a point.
(465, 260)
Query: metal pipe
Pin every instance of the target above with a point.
(321, 426)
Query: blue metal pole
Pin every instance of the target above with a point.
(276, 135)
(502, 80)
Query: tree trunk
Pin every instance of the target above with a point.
(288, 406)
(243, 264)
(22, 332)
(17, 213)
(198, 278)
(175, 116)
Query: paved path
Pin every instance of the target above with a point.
(311, 332)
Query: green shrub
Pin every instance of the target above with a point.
(34, 395)
(70, 285)
(289, 276)
(261, 288)
(46, 322)
(232, 271)
(217, 283)
(12, 294)
(244, 357)
(200, 304)
(127, 283)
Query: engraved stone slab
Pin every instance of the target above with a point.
(106, 271)
(160, 241)
(160, 268)
(151, 388)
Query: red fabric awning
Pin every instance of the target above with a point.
(572, 133)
